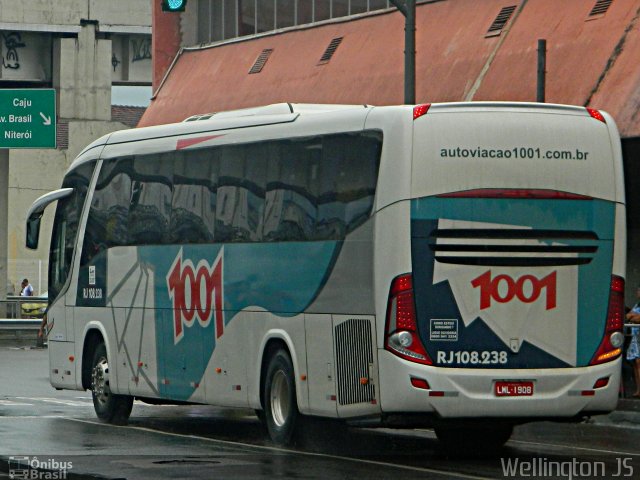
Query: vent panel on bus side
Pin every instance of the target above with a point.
(354, 360)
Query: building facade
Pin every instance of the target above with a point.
(80, 48)
(226, 54)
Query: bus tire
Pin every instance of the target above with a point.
(280, 402)
(261, 417)
(109, 407)
(474, 439)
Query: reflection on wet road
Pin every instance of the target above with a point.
(59, 428)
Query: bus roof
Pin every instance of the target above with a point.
(282, 113)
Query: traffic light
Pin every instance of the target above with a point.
(173, 5)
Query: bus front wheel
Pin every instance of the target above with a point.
(280, 403)
(109, 407)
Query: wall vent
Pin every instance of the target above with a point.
(331, 49)
(500, 21)
(62, 135)
(261, 60)
(600, 8)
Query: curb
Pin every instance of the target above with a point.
(20, 323)
(19, 332)
(12, 338)
(627, 412)
(618, 418)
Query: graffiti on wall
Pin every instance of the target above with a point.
(12, 42)
(25, 56)
(130, 58)
(141, 48)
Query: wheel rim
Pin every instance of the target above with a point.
(100, 381)
(280, 403)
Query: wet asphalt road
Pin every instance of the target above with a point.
(50, 429)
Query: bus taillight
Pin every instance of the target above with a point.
(402, 338)
(420, 110)
(516, 193)
(596, 114)
(611, 345)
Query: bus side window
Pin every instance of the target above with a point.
(231, 208)
(240, 194)
(255, 184)
(107, 221)
(356, 178)
(330, 224)
(194, 197)
(290, 209)
(150, 208)
(66, 224)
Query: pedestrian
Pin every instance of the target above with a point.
(633, 350)
(42, 332)
(27, 289)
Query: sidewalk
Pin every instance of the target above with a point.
(626, 414)
(629, 405)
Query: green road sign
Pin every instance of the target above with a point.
(27, 118)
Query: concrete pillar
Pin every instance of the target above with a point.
(4, 226)
(83, 78)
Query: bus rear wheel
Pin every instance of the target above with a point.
(477, 439)
(280, 403)
(109, 407)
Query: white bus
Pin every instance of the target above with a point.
(455, 265)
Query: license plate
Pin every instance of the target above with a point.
(513, 389)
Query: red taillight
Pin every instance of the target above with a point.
(601, 382)
(420, 383)
(596, 114)
(402, 338)
(530, 193)
(400, 284)
(420, 110)
(611, 345)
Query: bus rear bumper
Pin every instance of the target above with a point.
(464, 393)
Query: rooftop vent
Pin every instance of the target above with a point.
(261, 60)
(200, 116)
(600, 8)
(331, 49)
(500, 21)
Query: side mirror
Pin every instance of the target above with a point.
(34, 215)
(33, 231)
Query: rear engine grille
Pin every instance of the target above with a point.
(513, 247)
(354, 352)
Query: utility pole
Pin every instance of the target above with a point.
(542, 73)
(408, 9)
